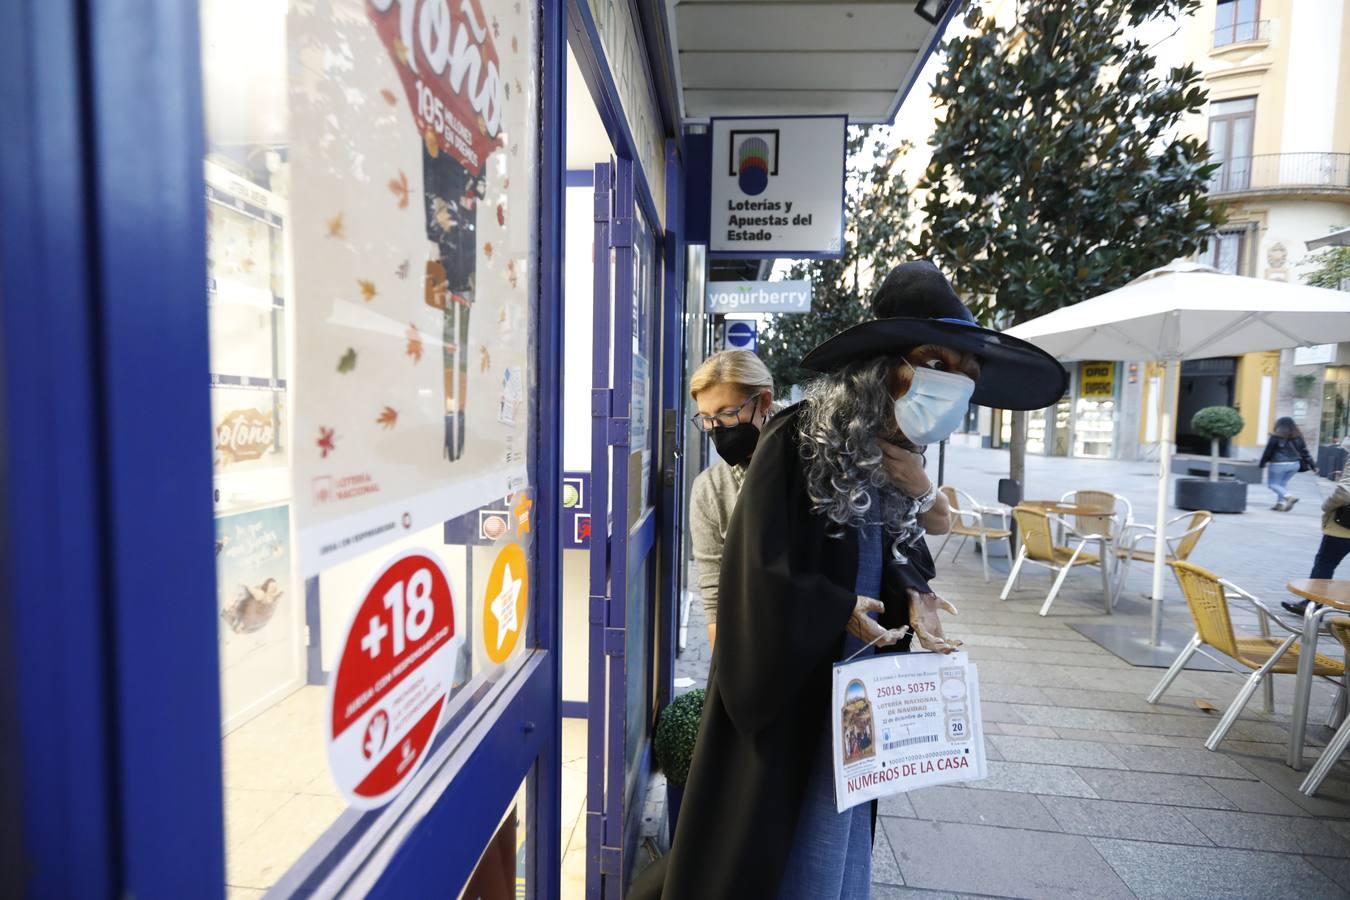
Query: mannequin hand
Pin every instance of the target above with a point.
(866, 629)
(905, 468)
(923, 616)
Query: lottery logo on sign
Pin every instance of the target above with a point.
(389, 688)
(505, 603)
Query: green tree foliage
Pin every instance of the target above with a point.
(1057, 171)
(676, 732)
(1217, 423)
(877, 210)
(1333, 268)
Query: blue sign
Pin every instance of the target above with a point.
(742, 335)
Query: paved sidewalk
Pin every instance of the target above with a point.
(1091, 791)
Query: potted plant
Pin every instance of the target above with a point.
(676, 731)
(1216, 494)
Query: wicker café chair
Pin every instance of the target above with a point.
(1132, 544)
(1208, 597)
(1037, 531)
(1115, 518)
(971, 520)
(1340, 629)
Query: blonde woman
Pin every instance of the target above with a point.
(733, 391)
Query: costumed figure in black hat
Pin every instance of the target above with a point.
(825, 555)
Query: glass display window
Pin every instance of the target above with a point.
(372, 237)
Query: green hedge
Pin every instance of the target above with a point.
(676, 731)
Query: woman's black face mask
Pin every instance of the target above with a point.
(736, 444)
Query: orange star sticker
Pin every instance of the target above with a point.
(388, 418)
(368, 291)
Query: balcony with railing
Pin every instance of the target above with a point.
(1242, 33)
(1275, 173)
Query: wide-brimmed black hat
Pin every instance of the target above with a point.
(916, 305)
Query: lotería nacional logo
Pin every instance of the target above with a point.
(753, 159)
(243, 435)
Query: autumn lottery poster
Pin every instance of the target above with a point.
(414, 125)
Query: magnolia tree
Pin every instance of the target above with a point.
(1058, 170)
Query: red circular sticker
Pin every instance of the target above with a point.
(389, 688)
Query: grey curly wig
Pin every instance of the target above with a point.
(842, 456)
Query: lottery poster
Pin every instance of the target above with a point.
(903, 721)
(414, 168)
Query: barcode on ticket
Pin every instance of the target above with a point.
(910, 742)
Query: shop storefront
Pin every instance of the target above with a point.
(304, 569)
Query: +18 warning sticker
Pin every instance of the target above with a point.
(390, 686)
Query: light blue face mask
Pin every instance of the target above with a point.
(934, 405)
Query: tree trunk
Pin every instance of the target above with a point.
(1017, 449)
(1213, 459)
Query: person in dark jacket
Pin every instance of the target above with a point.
(1286, 455)
(825, 555)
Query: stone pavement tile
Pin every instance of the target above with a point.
(1332, 800)
(1112, 818)
(1180, 761)
(1111, 700)
(1283, 834)
(992, 753)
(1001, 861)
(1012, 693)
(1007, 808)
(999, 712)
(1085, 734)
(1190, 873)
(1151, 787)
(1337, 869)
(1086, 719)
(1174, 726)
(1057, 752)
(1032, 778)
(991, 727)
(895, 805)
(1049, 657)
(1156, 740)
(1256, 797)
(884, 868)
(1041, 629)
(1027, 730)
(891, 891)
(981, 642)
(1340, 826)
(1270, 732)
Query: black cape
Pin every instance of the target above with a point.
(786, 595)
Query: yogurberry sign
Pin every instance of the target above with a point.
(389, 688)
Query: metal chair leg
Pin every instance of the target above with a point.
(964, 540)
(1177, 665)
(1268, 696)
(1328, 759)
(1235, 708)
(1012, 576)
(1107, 597)
(984, 555)
(945, 541)
(1054, 589)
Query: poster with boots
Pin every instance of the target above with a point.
(414, 182)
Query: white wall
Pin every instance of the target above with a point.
(1314, 34)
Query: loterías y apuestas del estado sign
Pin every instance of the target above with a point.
(759, 297)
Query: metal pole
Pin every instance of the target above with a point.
(1168, 400)
(942, 462)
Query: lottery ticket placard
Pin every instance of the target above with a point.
(903, 721)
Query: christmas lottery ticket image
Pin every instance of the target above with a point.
(903, 721)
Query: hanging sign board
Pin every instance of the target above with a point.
(903, 721)
(390, 686)
(1097, 379)
(758, 297)
(778, 186)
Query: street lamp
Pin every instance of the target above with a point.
(932, 10)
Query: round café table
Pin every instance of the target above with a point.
(1327, 596)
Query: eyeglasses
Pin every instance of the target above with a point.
(724, 419)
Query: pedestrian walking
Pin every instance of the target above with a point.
(1286, 455)
(734, 394)
(825, 556)
(1335, 544)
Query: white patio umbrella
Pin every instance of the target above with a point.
(1188, 311)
